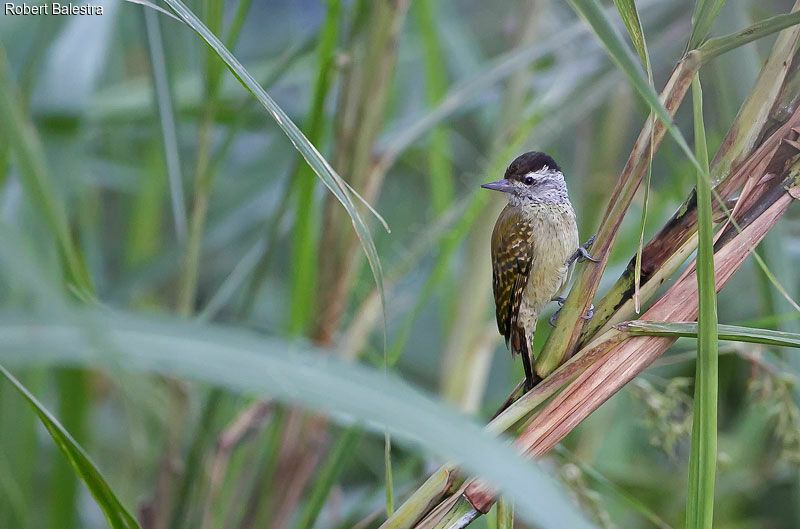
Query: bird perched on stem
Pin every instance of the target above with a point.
(534, 244)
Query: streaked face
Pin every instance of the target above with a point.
(533, 177)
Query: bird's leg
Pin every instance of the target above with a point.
(531, 379)
(582, 253)
(560, 300)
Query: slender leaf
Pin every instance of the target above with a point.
(703, 458)
(630, 17)
(626, 61)
(704, 14)
(166, 117)
(235, 29)
(733, 333)
(719, 45)
(116, 515)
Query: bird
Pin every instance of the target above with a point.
(533, 248)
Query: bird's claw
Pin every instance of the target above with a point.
(582, 253)
(588, 316)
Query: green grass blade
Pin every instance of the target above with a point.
(166, 116)
(505, 514)
(387, 464)
(303, 279)
(626, 61)
(237, 23)
(703, 458)
(732, 333)
(310, 153)
(73, 409)
(116, 515)
(630, 16)
(17, 129)
(212, 13)
(440, 172)
(328, 474)
(704, 14)
(719, 45)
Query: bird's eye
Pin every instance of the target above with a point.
(528, 180)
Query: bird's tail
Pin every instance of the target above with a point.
(519, 346)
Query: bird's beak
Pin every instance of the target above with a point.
(501, 185)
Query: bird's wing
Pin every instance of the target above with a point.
(512, 257)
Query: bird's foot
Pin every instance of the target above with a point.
(582, 253)
(588, 316)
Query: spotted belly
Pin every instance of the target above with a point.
(555, 240)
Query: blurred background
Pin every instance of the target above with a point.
(185, 200)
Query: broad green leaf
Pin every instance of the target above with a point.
(703, 458)
(733, 333)
(255, 365)
(626, 61)
(116, 515)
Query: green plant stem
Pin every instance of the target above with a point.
(338, 457)
(703, 459)
(440, 173)
(505, 514)
(303, 279)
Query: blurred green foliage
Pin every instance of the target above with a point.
(415, 123)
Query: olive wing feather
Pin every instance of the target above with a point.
(512, 257)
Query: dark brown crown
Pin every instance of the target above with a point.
(530, 162)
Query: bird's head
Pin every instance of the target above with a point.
(533, 177)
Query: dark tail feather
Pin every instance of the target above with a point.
(519, 345)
